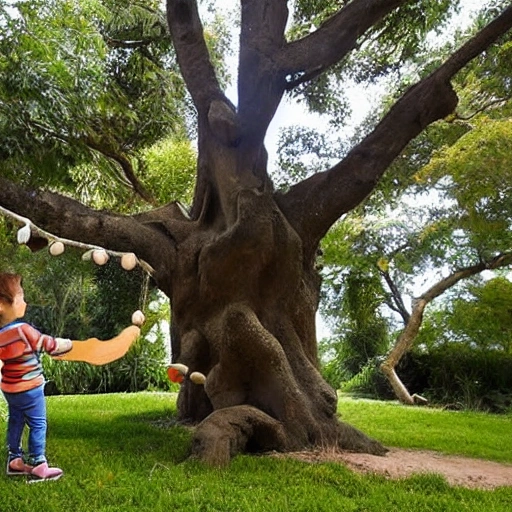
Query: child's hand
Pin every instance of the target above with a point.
(63, 345)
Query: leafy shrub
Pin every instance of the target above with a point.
(333, 373)
(370, 382)
(75, 299)
(466, 378)
(453, 376)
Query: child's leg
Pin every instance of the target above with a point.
(33, 405)
(35, 416)
(15, 424)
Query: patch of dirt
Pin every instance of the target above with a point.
(397, 463)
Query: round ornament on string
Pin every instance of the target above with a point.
(56, 248)
(128, 261)
(100, 256)
(138, 318)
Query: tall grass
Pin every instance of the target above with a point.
(124, 452)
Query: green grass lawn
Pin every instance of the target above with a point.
(124, 452)
(473, 434)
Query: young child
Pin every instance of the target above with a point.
(22, 381)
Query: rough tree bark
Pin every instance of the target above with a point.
(239, 268)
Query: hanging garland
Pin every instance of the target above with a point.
(57, 245)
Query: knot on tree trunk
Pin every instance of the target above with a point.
(439, 99)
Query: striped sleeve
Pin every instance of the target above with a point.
(39, 342)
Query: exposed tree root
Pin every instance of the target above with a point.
(241, 428)
(244, 428)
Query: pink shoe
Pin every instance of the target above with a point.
(17, 467)
(42, 472)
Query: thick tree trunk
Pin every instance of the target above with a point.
(244, 315)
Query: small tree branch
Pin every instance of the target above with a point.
(396, 296)
(390, 303)
(498, 102)
(502, 260)
(124, 162)
(126, 166)
(141, 43)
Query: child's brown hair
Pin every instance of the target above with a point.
(10, 285)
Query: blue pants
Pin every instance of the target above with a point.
(27, 407)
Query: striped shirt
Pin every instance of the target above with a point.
(20, 350)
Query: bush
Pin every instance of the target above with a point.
(458, 376)
(369, 382)
(72, 298)
(453, 376)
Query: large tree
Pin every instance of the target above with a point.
(239, 265)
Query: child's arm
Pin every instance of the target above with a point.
(45, 343)
(64, 345)
(97, 352)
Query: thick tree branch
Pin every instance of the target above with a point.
(218, 124)
(332, 193)
(309, 57)
(260, 81)
(67, 218)
(476, 45)
(192, 53)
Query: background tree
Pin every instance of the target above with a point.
(477, 317)
(484, 317)
(239, 266)
(70, 72)
(86, 89)
(453, 229)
